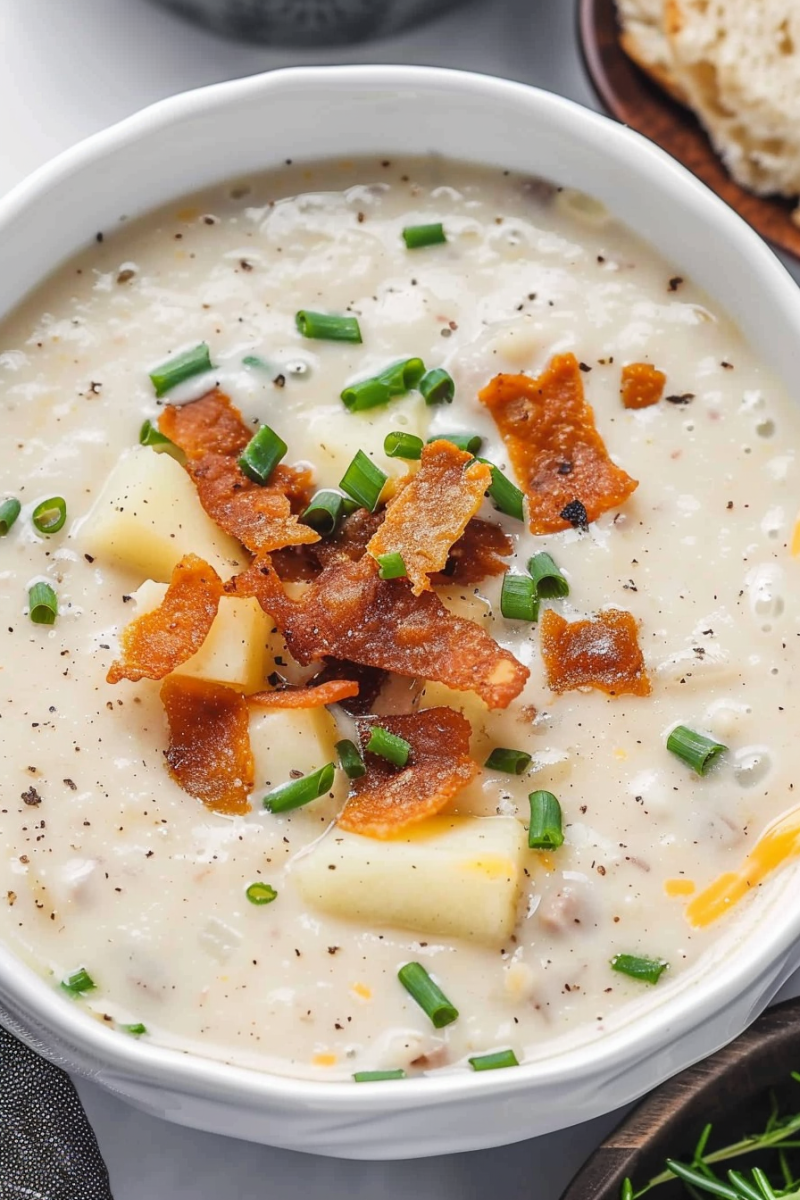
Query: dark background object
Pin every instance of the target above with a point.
(630, 96)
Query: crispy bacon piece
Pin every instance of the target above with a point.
(555, 449)
(331, 691)
(209, 751)
(602, 653)
(386, 800)
(478, 553)
(159, 641)
(370, 680)
(212, 435)
(641, 385)
(432, 511)
(349, 613)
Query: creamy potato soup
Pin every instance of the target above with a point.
(322, 790)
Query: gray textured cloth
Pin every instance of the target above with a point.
(47, 1148)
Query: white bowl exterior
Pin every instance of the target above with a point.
(232, 130)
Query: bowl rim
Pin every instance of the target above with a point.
(617, 1050)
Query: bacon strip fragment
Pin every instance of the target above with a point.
(162, 640)
(209, 753)
(557, 454)
(370, 681)
(601, 653)
(212, 435)
(386, 800)
(331, 691)
(641, 384)
(349, 613)
(478, 553)
(432, 511)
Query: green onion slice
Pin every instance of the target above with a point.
(471, 442)
(151, 435)
(550, 583)
(79, 982)
(431, 999)
(403, 376)
(416, 236)
(9, 511)
(328, 328)
(298, 792)
(402, 445)
(50, 515)
(258, 363)
(43, 604)
(389, 746)
(391, 566)
(378, 1076)
(261, 893)
(369, 393)
(649, 970)
(544, 831)
(180, 368)
(492, 1062)
(262, 454)
(397, 380)
(697, 751)
(506, 496)
(363, 481)
(518, 599)
(438, 387)
(513, 762)
(134, 1030)
(325, 512)
(350, 760)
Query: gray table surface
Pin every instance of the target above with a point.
(68, 69)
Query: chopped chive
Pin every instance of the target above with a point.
(363, 481)
(397, 380)
(298, 792)
(544, 831)
(389, 746)
(50, 515)
(9, 511)
(513, 762)
(328, 328)
(437, 387)
(151, 435)
(349, 506)
(261, 893)
(42, 604)
(402, 445)
(260, 364)
(350, 760)
(134, 1030)
(403, 376)
(471, 442)
(378, 1076)
(518, 599)
(79, 982)
(697, 751)
(262, 454)
(649, 970)
(491, 1062)
(183, 366)
(325, 512)
(505, 495)
(550, 583)
(431, 999)
(369, 393)
(391, 566)
(416, 236)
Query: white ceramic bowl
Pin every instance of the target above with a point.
(235, 128)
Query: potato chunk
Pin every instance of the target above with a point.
(147, 517)
(286, 740)
(238, 650)
(451, 877)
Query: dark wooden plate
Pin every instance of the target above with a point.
(729, 1089)
(634, 99)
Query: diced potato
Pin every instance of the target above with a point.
(339, 435)
(286, 740)
(439, 695)
(148, 516)
(239, 650)
(450, 877)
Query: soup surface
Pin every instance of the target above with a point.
(112, 874)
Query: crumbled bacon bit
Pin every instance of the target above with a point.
(162, 640)
(349, 613)
(387, 800)
(546, 422)
(602, 653)
(370, 680)
(209, 751)
(212, 435)
(478, 553)
(641, 385)
(432, 511)
(332, 691)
